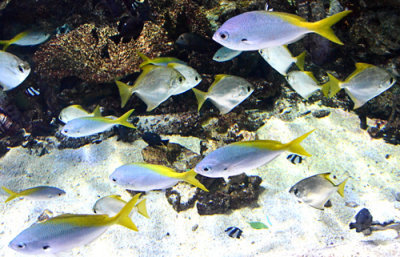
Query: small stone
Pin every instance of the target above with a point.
(195, 227)
(46, 214)
(321, 113)
(397, 196)
(351, 204)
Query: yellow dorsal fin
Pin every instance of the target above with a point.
(122, 218)
(327, 176)
(360, 66)
(96, 112)
(11, 193)
(123, 120)
(295, 147)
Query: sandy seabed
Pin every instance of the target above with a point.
(338, 146)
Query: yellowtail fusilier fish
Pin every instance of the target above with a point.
(303, 82)
(256, 30)
(154, 85)
(316, 190)
(192, 78)
(26, 38)
(76, 111)
(280, 58)
(112, 204)
(67, 231)
(225, 54)
(240, 157)
(366, 82)
(226, 92)
(87, 126)
(35, 193)
(159, 61)
(144, 177)
(13, 70)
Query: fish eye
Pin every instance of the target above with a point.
(391, 81)
(65, 130)
(180, 79)
(21, 245)
(20, 68)
(244, 39)
(114, 179)
(296, 191)
(224, 35)
(206, 169)
(46, 247)
(225, 168)
(196, 78)
(248, 89)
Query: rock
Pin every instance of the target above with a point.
(320, 113)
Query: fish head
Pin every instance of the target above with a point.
(14, 72)
(213, 168)
(299, 192)
(123, 176)
(234, 33)
(55, 192)
(28, 243)
(72, 128)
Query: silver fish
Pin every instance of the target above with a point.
(226, 92)
(316, 190)
(13, 71)
(225, 54)
(303, 82)
(280, 58)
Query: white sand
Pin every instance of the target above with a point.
(338, 146)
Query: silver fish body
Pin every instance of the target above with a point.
(303, 82)
(13, 71)
(192, 78)
(137, 177)
(225, 54)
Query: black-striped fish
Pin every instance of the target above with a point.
(234, 232)
(32, 91)
(294, 158)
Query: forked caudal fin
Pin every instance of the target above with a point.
(200, 96)
(11, 193)
(295, 147)
(125, 91)
(190, 177)
(122, 218)
(300, 60)
(341, 186)
(323, 27)
(330, 88)
(123, 120)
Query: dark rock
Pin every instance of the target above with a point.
(241, 191)
(363, 221)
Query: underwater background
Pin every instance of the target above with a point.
(94, 43)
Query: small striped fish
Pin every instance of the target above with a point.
(234, 232)
(32, 91)
(294, 158)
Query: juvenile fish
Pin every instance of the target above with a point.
(76, 111)
(280, 58)
(226, 92)
(225, 54)
(154, 85)
(240, 157)
(31, 91)
(366, 82)
(261, 29)
(87, 126)
(303, 82)
(153, 139)
(35, 193)
(144, 177)
(316, 190)
(26, 38)
(13, 71)
(68, 231)
(234, 232)
(159, 61)
(294, 158)
(112, 204)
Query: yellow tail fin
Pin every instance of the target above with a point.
(6, 44)
(295, 147)
(323, 27)
(11, 193)
(17, 37)
(125, 91)
(122, 218)
(341, 186)
(200, 96)
(123, 120)
(190, 177)
(300, 60)
(330, 88)
(142, 210)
